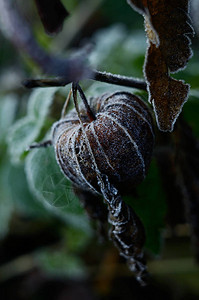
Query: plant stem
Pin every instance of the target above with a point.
(119, 80)
(95, 75)
(71, 69)
(90, 113)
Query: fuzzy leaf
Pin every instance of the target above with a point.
(170, 22)
(8, 106)
(23, 200)
(40, 101)
(166, 94)
(22, 134)
(26, 130)
(168, 28)
(49, 186)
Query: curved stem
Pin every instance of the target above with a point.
(90, 113)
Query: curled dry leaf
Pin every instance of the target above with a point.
(170, 21)
(168, 28)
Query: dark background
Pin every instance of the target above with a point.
(49, 249)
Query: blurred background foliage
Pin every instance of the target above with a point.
(49, 249)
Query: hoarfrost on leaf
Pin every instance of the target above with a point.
(169, 29)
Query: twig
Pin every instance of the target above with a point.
(44, 144)
(90, 113)
(34, 83)
(95, 75)
(119, 80)
(71, 69)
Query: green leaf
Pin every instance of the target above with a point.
(61, 263)
(6, 206)
(50, 187)
(118, 52)
(105, 41)
(40, 101)
(23, 133)
(22, 199)
(8, 105)
(26, 130)
(76, 239)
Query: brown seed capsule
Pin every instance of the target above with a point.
(121, 139)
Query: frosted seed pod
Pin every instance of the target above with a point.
(121, 138)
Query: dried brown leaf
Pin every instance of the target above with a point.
(166, 94)
(168, 28)
(172, 24)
